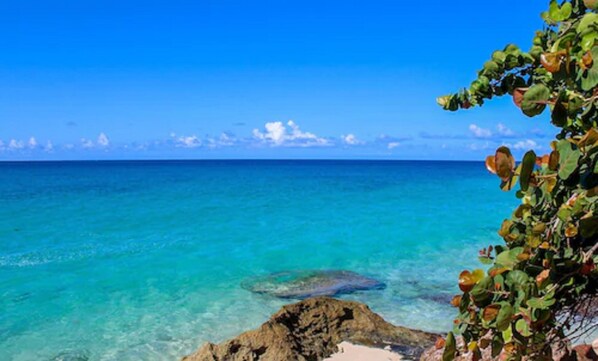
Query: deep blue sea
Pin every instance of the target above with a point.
(144, 260)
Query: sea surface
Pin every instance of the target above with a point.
(144, 260)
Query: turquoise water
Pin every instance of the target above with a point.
(144, 260)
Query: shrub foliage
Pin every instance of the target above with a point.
(540, 281)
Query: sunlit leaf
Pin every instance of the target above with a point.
(551, 62)
(468, 279)
(568, 158)
(491, 164)
(450, 348)
(508, 258)
(570, 230)
(522, 327)
(540, 303)
(589, 139)
(504, 163)
(591, 4)
(456, 301)
(518, 96)
(542, 276)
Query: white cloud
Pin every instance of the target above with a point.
(479, 132)
(49, 147)
(525, 145)
(503, 130)
(32, 143)
(86, 143)
(351, 139)
(475, 146)
(103, 140)
(188, 142)
(225, 140)
(15, 144)
(290, 135)
(393, 145)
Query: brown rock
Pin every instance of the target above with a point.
(310, 330)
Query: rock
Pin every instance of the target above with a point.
(304, 284)
(310, 330)
(595, 346)
(71, 356)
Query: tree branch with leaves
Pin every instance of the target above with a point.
(547, 266)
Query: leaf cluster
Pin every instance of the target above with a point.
(526, 299)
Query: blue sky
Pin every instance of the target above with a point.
(261, 79)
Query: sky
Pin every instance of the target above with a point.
(256, 79)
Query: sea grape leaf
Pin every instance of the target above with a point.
(450, 348)
(517, 279)
(522, 327)
(481, 291)
(527, 167)
(534, 100)
(540, 303)
(468, 279)
(490, 312)
(589, 77)
(569, 156)
(504, 163)
(503, 320)
(508, 258)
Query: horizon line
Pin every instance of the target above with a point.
(230, 159)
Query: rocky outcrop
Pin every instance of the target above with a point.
(310, 330)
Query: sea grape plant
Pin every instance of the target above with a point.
(543, 280)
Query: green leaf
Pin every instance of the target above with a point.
(527, 167)
(566, 10)
(481, 291)
(589, 77)
(523, 328)
(534, 100)
(508, 258)
(569, 156)
(587, 23)
(540, 303)
(450, 348)
(503, 320)
(499, 57)
(485, 260)
(557, 13)
(491, 67)
(517, 279)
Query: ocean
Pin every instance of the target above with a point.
(143, 260)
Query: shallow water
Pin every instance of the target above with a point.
(144, 260)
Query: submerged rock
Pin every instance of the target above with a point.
(71, 356)
(310, 330)
(304, 284)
